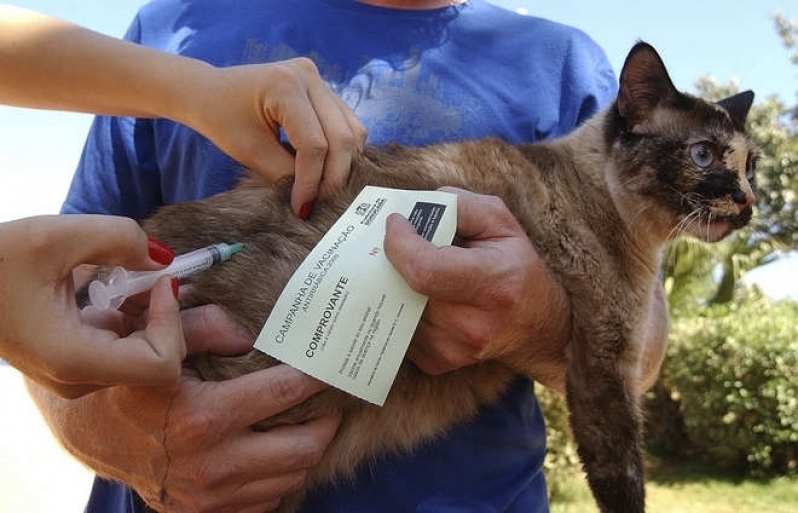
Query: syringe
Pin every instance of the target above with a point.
(114, 285)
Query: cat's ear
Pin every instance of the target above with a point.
(644, 84)
(738, 106)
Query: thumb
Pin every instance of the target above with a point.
(99, 239)
(209, 329)
(405, 248)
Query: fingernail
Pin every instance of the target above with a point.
(304, 212)
(175, 287)
(160, 252)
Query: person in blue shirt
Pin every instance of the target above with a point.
(414, 72)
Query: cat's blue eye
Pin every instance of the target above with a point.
(702, 154)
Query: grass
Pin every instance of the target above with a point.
(688, 488)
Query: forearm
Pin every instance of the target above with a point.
(549, 363)
(62, 417)
(48, 63)
(72, 422)
(543, 356)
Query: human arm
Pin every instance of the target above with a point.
(479, 303)
(188, 446)
(48, 63)
(46, 336)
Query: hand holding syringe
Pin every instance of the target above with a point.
(115, 285)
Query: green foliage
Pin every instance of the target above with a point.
(777, 203)
(729, 388)
(562, 461)
(687, 270)
(788, 32)
(689, 265)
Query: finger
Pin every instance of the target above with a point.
(283, 450)
(112, 320)
(303, 129)
(256, 496)
(356, 127)
(324, 159)
(259, 468)
(481, 216)
(250, 398)
(98, 239)
(435, 351)
(67, 391)
(150, 357)
(343, 131)
(443, 273)
(209, 329)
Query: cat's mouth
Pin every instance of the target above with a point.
(712, 226)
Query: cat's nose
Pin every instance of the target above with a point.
(743, 199)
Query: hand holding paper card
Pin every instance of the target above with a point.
(346, 316)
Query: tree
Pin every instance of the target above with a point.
(788, 32)
(727, 386)
(688, 267)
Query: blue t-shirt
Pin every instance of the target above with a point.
(414, 77)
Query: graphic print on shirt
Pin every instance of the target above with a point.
(397, 101)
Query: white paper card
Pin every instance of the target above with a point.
(346, 316)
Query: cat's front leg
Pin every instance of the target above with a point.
(606, 423)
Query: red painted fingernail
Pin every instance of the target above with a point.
(304, 212)
(160, 252)
(175, 287)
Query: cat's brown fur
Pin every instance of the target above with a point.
(598, 205)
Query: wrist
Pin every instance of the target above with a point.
(540, 355)
(188, 86)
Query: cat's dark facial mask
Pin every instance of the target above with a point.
(698, 162)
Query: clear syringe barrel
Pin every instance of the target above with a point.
(117, 285)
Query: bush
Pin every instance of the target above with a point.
(562, 464)
(730, 386)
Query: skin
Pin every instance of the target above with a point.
(240, 108)
(214, 461)
(478, 305)
(46, 336)
(182, 453)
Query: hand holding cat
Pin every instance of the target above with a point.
(46, 336)
(241, 108)
(188, 446)
(479, 306)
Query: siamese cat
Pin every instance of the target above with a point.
(598, 204)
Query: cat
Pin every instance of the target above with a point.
(598, 204)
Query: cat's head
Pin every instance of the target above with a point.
(687, 162)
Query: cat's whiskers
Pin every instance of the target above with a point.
(684, 225)
(686, 198)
